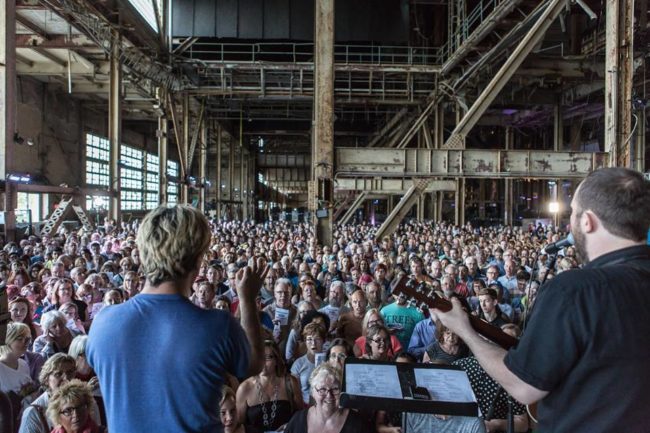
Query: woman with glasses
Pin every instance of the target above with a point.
(378, 343)
(373, 317)
(268, 400)
(64, 292)
(325, 414)
(314, 335)
(295, 345)
(56, 372)
(338, 351)
(70, 408)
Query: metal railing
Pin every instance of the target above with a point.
(474, 19)
(304, 53)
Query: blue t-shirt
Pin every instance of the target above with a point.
(161, 361)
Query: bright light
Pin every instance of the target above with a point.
(554, 207)
(99, 202)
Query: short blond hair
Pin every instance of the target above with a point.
(74, 392)
(54, 363)
(172, 241)
(15, 330)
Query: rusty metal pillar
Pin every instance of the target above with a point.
(640, 142)
(203, 157)
(481, 199)
(323, 120)
(115, 124)
(558, 128)
(459, 206)
(507, 187)
(243, 213)
(184, 148)
(219, 187)
(162, 133)
(8, 117)
(440, 199)
(231, 180)
(619, 17)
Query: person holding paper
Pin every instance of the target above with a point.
(282, 312)
(314, 335)
(586, 347)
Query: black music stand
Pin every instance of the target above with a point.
(406, 398)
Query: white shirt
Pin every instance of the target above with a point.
(14, 380)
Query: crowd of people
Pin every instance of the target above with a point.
(185, 324)
(317, 305)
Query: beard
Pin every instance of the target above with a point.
(580, 241)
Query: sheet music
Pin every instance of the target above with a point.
(372, 380)
(445, 385)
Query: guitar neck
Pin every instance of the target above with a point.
(488, 331)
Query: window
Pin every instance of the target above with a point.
(146, 9)
(28, 207)
(172, 185)
(131, 178)
(151, 182)
(97, 160)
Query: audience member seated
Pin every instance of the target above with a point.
(326, 415)
(56, 336)
(314, 335)
(378, 343)
(56, 372)
(268, 400)
(446, 348)
(372, 318)
(228, 414)
(70, 408)
(337, 353)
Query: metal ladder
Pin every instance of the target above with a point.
(55, 220)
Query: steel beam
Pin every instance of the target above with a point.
(203, 153)
(219, 188)
(401, 209)
(625, 82)
(162, 134)
(611, 8)
(384, 162)
(55, 41)
(32, 27)
(500, 79)
(185, 145)
(115, 126)
(358, 201)
(388, 186)
(7, 119)
(231, 177)
(388, 127)
(323, 125)
(51, 57)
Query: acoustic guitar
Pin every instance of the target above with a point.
(419, 293)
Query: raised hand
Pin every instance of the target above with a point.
(249, 279)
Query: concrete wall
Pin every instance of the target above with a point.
(57, 123)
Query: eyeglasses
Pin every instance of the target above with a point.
(324, 391)
(379, 341)
(76, 409)
(338, 356)
(68, 374)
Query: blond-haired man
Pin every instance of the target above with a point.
(161, 360)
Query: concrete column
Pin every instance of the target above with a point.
(8, 116)
(440, 197)
(203, 156)
(218, 189)
(163, 131)
(390, 203)
(115, 125)
(323, 118)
